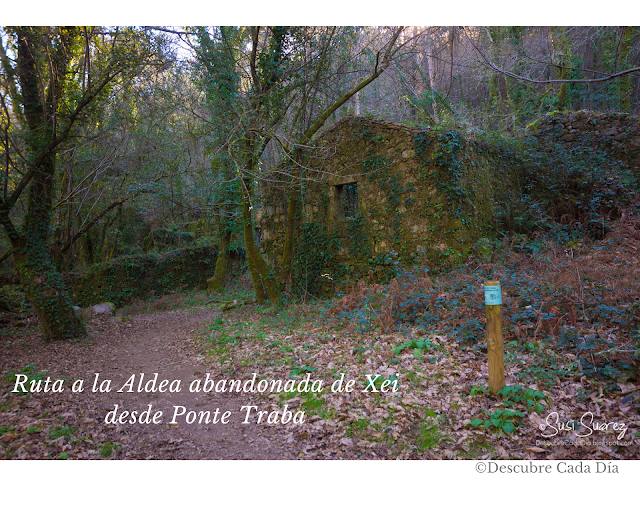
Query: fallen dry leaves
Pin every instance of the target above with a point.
(428, 418)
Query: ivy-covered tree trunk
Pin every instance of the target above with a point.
(59, 72)
(40, 280)
(44, 287)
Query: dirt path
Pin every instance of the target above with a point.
(160, 343)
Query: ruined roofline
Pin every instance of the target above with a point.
(351, 120)
(591, 113)
(558, 116)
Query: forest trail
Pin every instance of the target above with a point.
(161, 343)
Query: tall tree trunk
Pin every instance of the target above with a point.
(262, 275)
(358, 44)
(292, 215)
(40, 280)
(624, 83)
(116, 236)
(562, 59)
(562, 92)
(88, 248)
(504, 104)
(261, 295)
(432, 83)
(293, 207)
(216, 283)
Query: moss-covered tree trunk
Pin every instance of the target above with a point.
(262, 275)
(40, 280)
(292, 216)
(261, 295)
(293, 207)
(216, 283)
(562, 92)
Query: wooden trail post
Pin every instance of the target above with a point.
(495, 349)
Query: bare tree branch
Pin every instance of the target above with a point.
(487, 62)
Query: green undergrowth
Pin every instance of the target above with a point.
(15, 310)
(272, 328)
(30, 372)
(569, 187)
(515, 402)
(577, 299)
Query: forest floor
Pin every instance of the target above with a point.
(72, 425)
(442, 408)
(441, 389)
(414, 350)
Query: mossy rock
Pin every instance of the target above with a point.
(102, 309)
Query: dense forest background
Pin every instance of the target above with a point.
(127, 141)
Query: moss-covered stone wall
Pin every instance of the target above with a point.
(617, 133)
(123, 279)
(421, 194)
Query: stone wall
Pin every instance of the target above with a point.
(138, 277)
(420, 195)
(618, 134)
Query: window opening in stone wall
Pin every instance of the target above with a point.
(347, 200)
(350, 200)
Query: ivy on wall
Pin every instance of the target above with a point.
(314, 265)
(441, 151)
(381, 173)
(129, 277)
